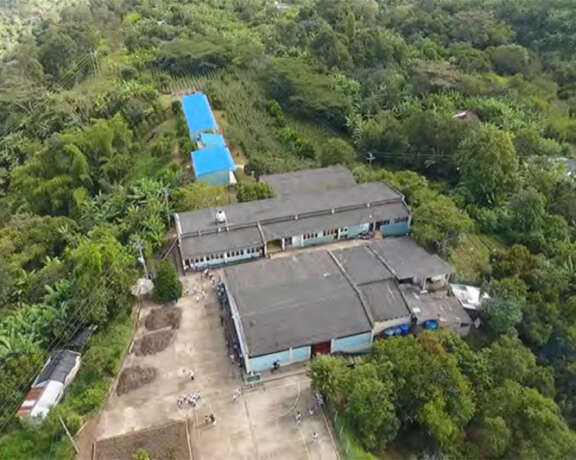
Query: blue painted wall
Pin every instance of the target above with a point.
(266, 362)
(317, 240)
(392, 229)
(359, 342)
(221, 177)
(301, 354)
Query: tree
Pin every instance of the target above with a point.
(167, 286)
(527, 211)
(336, 151)
(502, 314)
(370, 407)
(438, 222)
(254, 191)
(539, 432)
(488, 165)
(510, 59)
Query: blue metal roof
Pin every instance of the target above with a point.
(198, 114)
(208, 139)
(211, 159)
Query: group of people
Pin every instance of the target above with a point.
(192, 400)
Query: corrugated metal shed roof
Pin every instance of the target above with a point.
(198, 114)
(211, 159)
(58, 367)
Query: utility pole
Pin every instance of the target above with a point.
(69, 435)
(370, 157)
(141, 258)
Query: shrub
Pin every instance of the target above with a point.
(167, 286)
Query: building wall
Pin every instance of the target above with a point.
(221, 177)
(395, 229)
(380, 326)
(359, 342)
(238, 327)
(301, 354)
(293, 355)
(225, 258)
(355, 230)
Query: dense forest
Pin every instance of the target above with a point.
(468, 107)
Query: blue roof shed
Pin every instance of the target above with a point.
(198, 114)
(213, 164)
(209, 139)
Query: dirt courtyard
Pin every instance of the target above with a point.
(260, 424)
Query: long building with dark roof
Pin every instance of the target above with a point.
(332, 208)
(290, 308)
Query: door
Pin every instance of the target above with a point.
(322, 348)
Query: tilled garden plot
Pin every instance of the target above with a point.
(153, 343)
(132, 378)
(167, 442)
(162, 317)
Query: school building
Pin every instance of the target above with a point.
(291, 308)
(310, 207)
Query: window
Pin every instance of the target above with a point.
(386, 222)
(400, 219)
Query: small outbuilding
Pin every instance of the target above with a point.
(210, 139)
(198, 114)
(48, 388)
(214, 165)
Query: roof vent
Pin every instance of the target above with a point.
(220, 217)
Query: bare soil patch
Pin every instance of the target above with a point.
(132, 378)
(153, 343)
(163, 317)
(168, 442)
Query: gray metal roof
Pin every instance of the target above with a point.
(294, 301)
(221, 242)
(58, 367)
(245, 237)
(406, 259)
(309, 180)
(278, 209)
(361, 265)
(346, 218)
(385, 300)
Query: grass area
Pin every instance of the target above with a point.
(472, 256)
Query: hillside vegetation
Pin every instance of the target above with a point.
(468, 107)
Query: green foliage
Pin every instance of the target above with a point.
(84, 170)
(167, 286)
(510, 59)
(254, 191)
(337, 151)
(200, 195)
(502, 314)
(438, 223)
(304, 92)
(488, 165)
